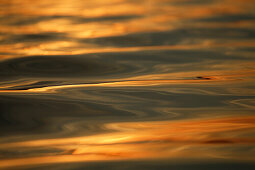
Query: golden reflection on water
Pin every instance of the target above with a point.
(153, 15)
(140, 140)
(96, 80)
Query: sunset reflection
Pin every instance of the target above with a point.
(139, 140)
(124, 84)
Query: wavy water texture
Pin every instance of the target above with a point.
(144, 140)
(124, 84)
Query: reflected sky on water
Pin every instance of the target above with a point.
(127, 84)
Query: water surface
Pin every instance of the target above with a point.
(127, 84)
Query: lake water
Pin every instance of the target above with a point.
(127, 84)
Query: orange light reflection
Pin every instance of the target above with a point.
(144, 140)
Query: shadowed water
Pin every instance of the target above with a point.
(124, 84)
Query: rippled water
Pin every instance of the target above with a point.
(122, 84)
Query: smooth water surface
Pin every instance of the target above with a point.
(127, 84)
